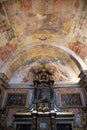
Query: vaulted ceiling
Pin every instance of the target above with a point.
(37, 32)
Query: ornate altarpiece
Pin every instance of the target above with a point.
(44, 115)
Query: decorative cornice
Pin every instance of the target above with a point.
(31, 85)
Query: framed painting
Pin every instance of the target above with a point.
(71, 100)
(16, 99)
(43, 94)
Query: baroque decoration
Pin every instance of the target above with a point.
(43, 63)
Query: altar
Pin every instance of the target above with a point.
(43, 121)
(43, 115)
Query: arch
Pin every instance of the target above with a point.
(8, 63)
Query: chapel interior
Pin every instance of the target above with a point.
(43, 64)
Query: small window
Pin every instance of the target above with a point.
(43, 125)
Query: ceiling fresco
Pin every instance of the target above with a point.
(26, 74)
(27, 22)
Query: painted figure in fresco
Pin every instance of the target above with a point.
(26, 4)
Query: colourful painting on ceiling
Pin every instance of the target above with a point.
(61, 73)
(7, 50)
(28, 16)
(7, 46)
(6, 31)
(22, 18)
(80, 49)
